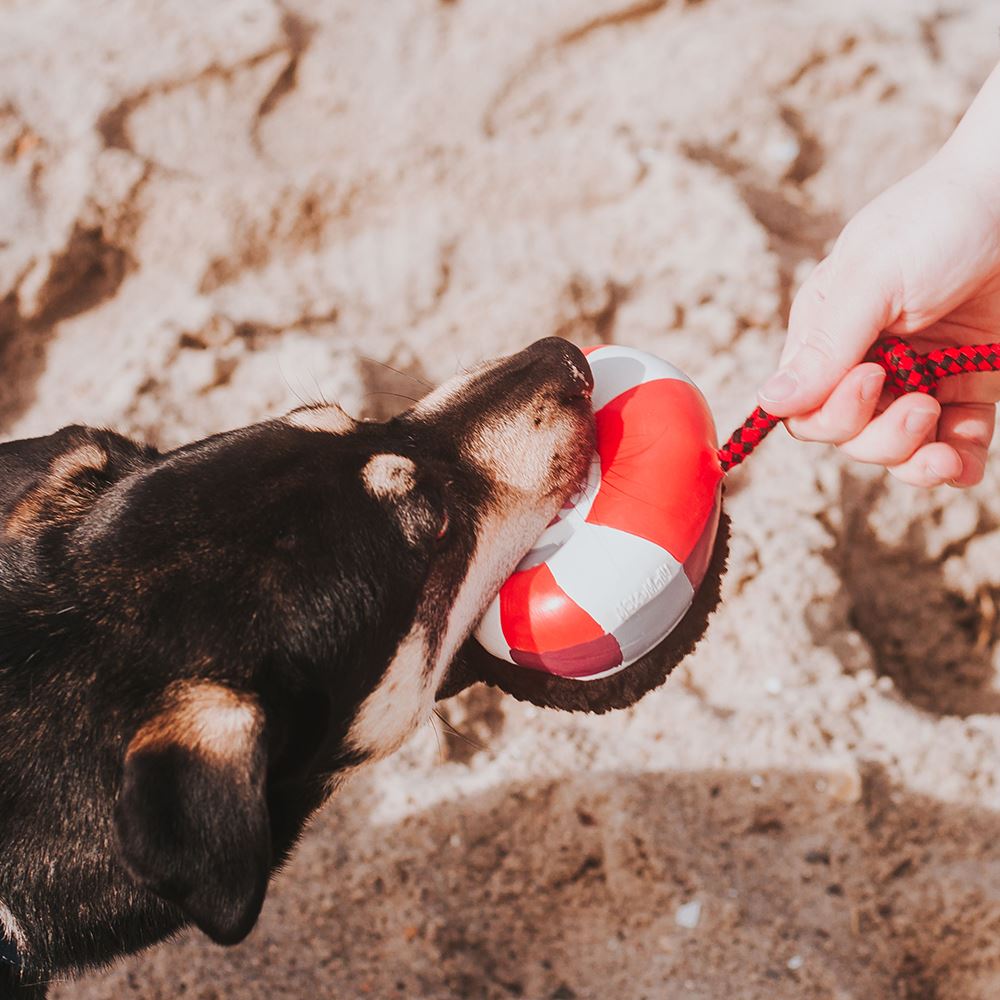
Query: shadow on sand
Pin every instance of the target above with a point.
(803, 885)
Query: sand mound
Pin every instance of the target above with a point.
(208, 210)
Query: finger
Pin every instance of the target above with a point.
(968, 428)
(971, 387)
(805, 310)
(930, 465)
(977, 387)
(848, 409)
(894, 435)
(836, 316)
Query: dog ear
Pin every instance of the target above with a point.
(191, 818)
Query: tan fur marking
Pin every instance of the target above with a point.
(10, 928)
(203, 717)
(389, 477)
(402, 700)
(86, 458)
(63, 470)
(516, 452)
(329, 419)
(438, 400)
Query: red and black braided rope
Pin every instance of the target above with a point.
(906, 371)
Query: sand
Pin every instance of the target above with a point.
(209, 210)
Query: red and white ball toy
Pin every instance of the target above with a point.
(617, 569)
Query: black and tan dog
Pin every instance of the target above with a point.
(196, 646)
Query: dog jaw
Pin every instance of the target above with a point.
(404, 697)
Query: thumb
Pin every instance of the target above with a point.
(837, 315)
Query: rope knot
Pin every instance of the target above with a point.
(906, 370)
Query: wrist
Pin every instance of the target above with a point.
(970, 167)
(972, 153)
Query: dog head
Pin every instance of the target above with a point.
(295, 592)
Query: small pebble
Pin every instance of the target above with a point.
(688, 915)
(845, 786)
(772, 685)
(795, 962)
(25, 144)
(756, 781)
(784, 150)
(455, 840)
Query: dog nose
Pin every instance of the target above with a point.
(567, 362)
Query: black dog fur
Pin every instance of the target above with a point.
(195, 646)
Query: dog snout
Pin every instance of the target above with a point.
(566, 364)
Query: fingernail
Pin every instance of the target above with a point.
(871, 386)
(779, 386)
(973, 468)
(920, 421)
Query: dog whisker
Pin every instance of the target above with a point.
(319, 388)
(462, 736)
(398, 371)
(385, 392)
(284, 378)
(437, 736)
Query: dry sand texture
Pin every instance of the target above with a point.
(210, 208)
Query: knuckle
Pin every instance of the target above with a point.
(888, 452)
(809, 295)
(830, 431)
(822, 427)
(819, 341)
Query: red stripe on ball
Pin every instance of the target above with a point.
(584, 660)
(537, 615)
(659, 465)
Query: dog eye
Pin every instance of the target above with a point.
(442, 531)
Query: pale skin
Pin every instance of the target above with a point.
(921, 261)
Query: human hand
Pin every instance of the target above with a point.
(921, 261)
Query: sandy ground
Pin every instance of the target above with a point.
(208, 210)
